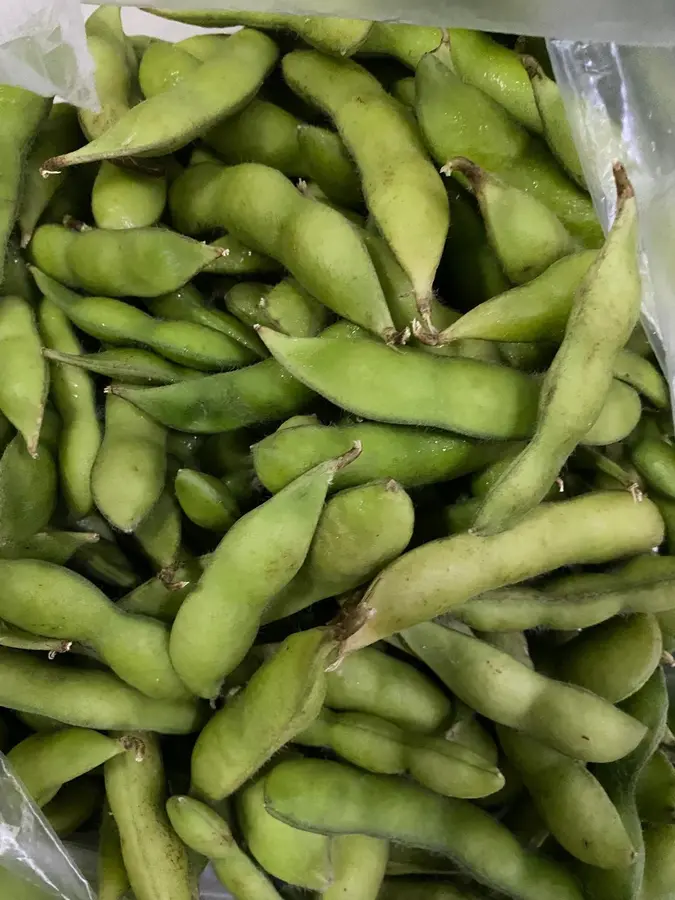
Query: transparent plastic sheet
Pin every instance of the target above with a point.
(621, 105)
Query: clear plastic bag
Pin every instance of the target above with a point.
(618, 108)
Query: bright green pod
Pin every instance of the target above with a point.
(28, 486)
(237, 259)
(131, 365)
(407, 43)
(125, 198)
(326, 161)
(24, 374)
(175, 117)
(285, 307)
(50, 546)
(159, 534)
(205, 500)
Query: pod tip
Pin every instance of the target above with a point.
(531, 66)
(624, 188)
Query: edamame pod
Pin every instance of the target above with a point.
(403, 191)
(360, 530)
(654, 458)
(45, 762)
(160, 600)
(24, 376)
(115, 70)
(643, 376)
(112, 878)
(376, 745)
(374, 683)
(497, 71)
(164, 66)
(159, 534)
(258, 559)
(407, 43)
(204, 831)
(22, 112)
(495, 684)
(155, 858)
(339, 36)
(553, 118)
(659, 870)
(525, 234)
(655, 791)
(282, 698)
(205, 500)
(27, 491)
(359, 866)
(268, 213)
(613, 659)
(60, 133)
(75, 398)
(295, 856)
(138, 262)
(125, 198)
(238, 259)
(187, 305)
(224, 402)
(285, 307)
(328, 797)
(128, 475)
(411, 456)
(326, 161)
(50, 546)
(113, 320)
(55, 602)
(536, 311)
(649, 706)
(458, 119)
(572, 803)
(132, 365)
(409, 387)
(175, 117)
(89, 698)
(577, 384)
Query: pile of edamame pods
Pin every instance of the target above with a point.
(337, 483)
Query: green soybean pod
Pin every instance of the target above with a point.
(524, 232)
(572, 803)
(267, 212)
(329, 34)
(577, 384)
(328, 797)
(75, 399)
(206, 833)
(159, 534)
(258, 559)
(613, 659)
(45, 762)
(60, 133)
(55, 602)
(649, 705)
(285, 307)
(359, 866)
(569, 719)
(28, 486)
(140, 262)
(160, 599)
(114, 71)
(654, 458)
(407, 199)
(643, 376)
(206, 500)
(655, 792)
(131, 365)
(88, 698)
(106, 562)
(237, 259)
(155, 858)
(584, 529)
(554, 122)
(74, 805)
(24, 376)
(659, 870)
(172, 119)
(535, 311)
(281, 699)
(112, 880)
(407, 43)
(360, 530)
(327, 162)
(22, 112)
(50, 546)
(295, 856)
(124, 198)
(187, 304)
(458, 119)
(411, 456)
(128, 475)
(372, 682)
(225, 402)
(163, 66)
